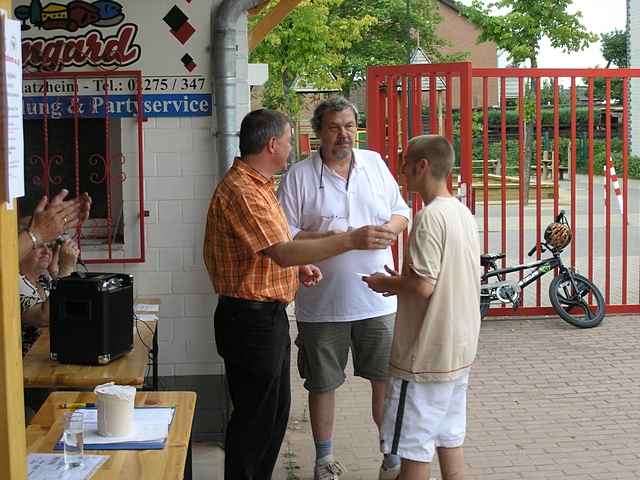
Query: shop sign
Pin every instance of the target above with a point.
(168, 40)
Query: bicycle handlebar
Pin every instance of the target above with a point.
(542, 246)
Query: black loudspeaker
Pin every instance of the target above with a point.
(91, 318)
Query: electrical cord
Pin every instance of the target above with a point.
(149, 349)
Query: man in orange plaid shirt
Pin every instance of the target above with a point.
(255, 266)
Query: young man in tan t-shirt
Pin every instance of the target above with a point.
(438, 321)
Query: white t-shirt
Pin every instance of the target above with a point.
(372, 198)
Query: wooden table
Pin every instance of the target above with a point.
(41, 372)
(171, 463)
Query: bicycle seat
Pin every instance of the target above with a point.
(487, 259)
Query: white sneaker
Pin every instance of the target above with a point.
(328, 469)
(389, 473)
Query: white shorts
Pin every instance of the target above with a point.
(418, 417)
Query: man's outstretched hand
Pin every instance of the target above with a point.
(372, 237)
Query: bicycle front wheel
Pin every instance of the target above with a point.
(572, 304)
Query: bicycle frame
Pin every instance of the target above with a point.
(548, 263)
(563, 298)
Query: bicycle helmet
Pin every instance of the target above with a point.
(558, 235)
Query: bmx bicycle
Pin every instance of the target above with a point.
(569, 292)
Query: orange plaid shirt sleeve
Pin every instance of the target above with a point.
(244, 218)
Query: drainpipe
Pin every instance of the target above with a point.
(225, 54)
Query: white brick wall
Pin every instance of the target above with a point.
(180, 176)
(634, 57)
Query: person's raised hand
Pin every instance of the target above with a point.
(69, 254)
(372, 237)
(75, 211)
(51, 218)
(46, 222)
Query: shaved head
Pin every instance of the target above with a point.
(436, 150)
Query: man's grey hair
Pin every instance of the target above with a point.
(333, 104)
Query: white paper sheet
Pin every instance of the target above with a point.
(13, 102)
(146, 307)
(146, 317)
(149, 424)
(45, 466)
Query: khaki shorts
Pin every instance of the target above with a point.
(323, 350)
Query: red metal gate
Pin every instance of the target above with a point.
(395, 107)
(83, 132)
(576, 133)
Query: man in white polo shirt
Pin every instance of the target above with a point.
(337, 189)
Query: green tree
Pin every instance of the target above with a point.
(305, 47)
(518, 28)
(387, 41)
(547, 95)
(614, 50)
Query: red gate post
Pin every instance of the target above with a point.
(374, 118)
(393, 164)
(404, 125)
(466, 130)
(608, 164)
(448, 123)
(503, 167)
(573, 165)
(555, 164)
(590, 182)
(522, 169)
(538, 176)
(393, 125)
(625, 183)
(485, 161)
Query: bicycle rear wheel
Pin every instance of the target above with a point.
(572, 304)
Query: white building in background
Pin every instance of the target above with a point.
(633, 21)
(180, 164)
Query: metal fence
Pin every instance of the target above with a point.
(516, 171)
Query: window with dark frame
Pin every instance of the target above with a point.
(55, 169)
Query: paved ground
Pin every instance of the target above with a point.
(547, 401)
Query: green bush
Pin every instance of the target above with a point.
(582, 155)
(564, 118)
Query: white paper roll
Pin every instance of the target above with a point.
(115, 405)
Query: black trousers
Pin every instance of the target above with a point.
(253, 339)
